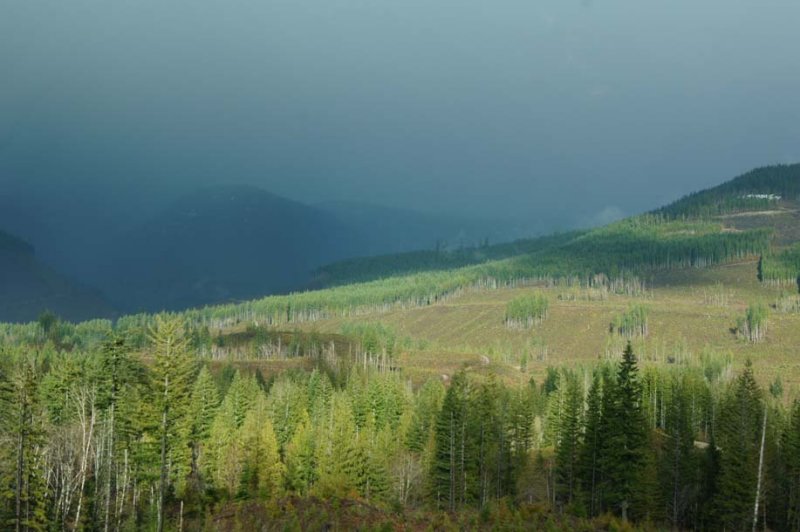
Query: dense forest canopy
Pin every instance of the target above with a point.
(108, 438)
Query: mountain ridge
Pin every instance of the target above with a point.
(28, 287)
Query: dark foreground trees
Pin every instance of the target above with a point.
(119, 439)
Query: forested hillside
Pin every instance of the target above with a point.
(760, 189)
(380, 229)
(371, 268)
(219, 244)
(639, 375)
(27, 286)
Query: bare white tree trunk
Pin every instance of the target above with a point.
(760, 469)
(84, 399)
(121, 501)
(110, 469)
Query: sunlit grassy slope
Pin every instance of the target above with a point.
(690, 313)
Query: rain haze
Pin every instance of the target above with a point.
(538, 115)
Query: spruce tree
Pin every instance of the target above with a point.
(241, 397)
(791, 451)
(289, 406)
(452, 479)
(200, 417)
(589, 471)
(738, 437)
(263, 471)
(225, 456)
(492, 444)
(568, 440)
(340, 459)
(24, 429)
(624, 436)
(524, 407)
(301, 458)
(677, 463)
(374, 447)
(427, 404)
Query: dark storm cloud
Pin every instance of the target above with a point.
(556, 110)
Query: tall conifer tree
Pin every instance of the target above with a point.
(173, 370)
(738, 436)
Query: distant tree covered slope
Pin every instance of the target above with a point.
(392, 265)
(220, 244)
(761, 188)
(385, 230)
(613, 256)
(27, 287)
(231, 243)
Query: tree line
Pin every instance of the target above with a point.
(117, 438)
(750, 191)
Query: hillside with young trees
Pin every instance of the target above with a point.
(641, 375)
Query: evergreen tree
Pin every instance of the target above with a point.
(225, 452)
(241, 397)
(568, 440)
(489, 426)
(647, 497)
(623, 436)
(677, 462)
(173, 368)
(200, 417)
(289, 406)
(272, 471)
(263, 471)
(427, 404)
(791, 451)
(709, 480)
(374, 446)
(523, 410)
(301, 458)
(340, 458)
(739, 436)
(6, 425)
(23, 420)
(589, 459)
(117, 371)
(453, 479)
(320, 392)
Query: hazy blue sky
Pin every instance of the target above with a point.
(530, 108)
